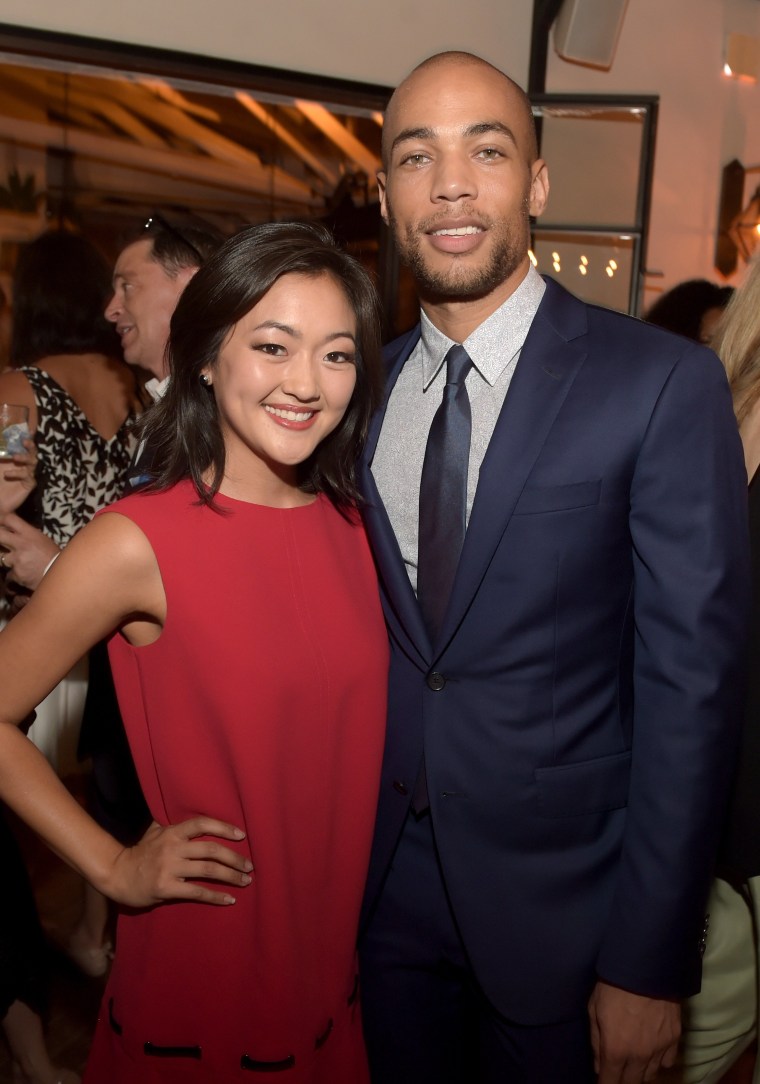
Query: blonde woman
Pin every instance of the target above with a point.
(720, 1023)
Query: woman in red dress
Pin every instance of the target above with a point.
(250, 660)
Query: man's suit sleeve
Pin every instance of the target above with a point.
(691, 584)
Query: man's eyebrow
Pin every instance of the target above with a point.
(487, 126)
(412, 133)
(484, 127)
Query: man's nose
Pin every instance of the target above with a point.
(112, 309)
(454, 179)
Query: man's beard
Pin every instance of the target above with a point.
(460, 282)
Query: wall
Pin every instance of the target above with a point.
(675, 49)
(352, 39)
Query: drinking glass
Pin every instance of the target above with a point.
(14, 429)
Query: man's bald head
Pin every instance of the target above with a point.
(458, 63)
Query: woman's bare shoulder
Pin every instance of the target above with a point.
(15, 388)
(115, 542)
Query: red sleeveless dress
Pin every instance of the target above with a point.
(263, 704)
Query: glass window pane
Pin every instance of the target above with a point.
(594, 156)
(595, 267)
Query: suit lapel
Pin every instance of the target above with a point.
(550, 359)
(401, 610)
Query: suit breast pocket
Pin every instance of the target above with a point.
(591, 786)
(537, 499)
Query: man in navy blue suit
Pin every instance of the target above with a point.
(563, 702)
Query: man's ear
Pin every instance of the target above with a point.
(187, 273)
(539, 187)
(382, 178)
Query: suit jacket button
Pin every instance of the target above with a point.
(401, 787)
(435, 681)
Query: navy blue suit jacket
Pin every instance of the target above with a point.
(580, 745)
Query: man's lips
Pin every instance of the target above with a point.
(456, 237)
(457, 231)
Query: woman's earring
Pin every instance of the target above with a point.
(205, 380)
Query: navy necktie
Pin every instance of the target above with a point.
(443, 493)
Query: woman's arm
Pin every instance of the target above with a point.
(107, 577)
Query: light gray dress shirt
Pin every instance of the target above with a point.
(494, 348)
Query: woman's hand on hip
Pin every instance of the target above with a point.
(168, 862)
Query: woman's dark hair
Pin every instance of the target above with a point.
(61, 286)
(183, 429)
(681, 309)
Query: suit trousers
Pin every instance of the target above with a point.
(426, 1021)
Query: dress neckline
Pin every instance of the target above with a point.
(78, 410)
(234, 502)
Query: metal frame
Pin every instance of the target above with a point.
(639, 228)
(190, 67)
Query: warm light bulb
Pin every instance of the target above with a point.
(532, 256)
(613, 265)
(727, 70)
(583, 269)
(609, 271)
(584, 260)
(556, 265)
(555, 255)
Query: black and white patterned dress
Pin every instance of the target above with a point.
(78, 471)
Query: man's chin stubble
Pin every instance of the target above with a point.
(459, 283)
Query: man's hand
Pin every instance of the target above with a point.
(24, 551)
(17, 478)
(632, 1036)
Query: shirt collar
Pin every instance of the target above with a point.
(156, 388)
(495, 342)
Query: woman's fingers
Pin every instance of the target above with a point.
(207, 826)
(168, 862)
(202, 835)
(219, 856)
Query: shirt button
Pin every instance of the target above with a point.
(435, 681)
(400, 786)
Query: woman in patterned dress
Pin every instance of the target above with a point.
(82, 402)
(67, 370)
